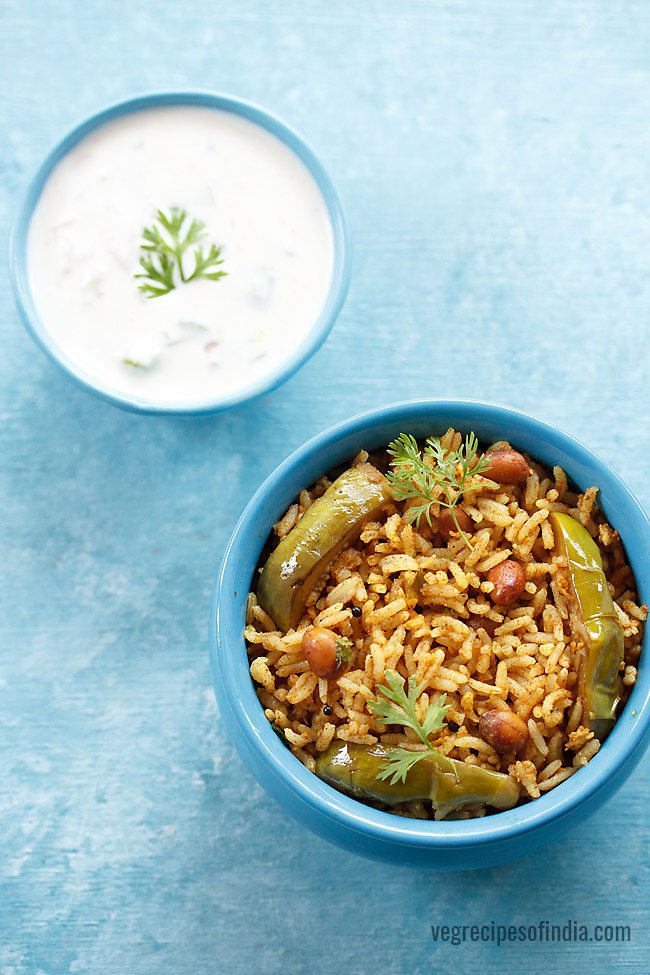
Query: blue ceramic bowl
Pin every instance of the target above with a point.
(340, 275)
(346, 822)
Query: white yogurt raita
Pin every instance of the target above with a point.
(203, 339)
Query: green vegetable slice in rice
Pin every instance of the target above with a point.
(302, 558)
(446, 782)
(595, 617)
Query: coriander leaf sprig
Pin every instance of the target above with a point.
(165, 244)
(413, 478)
(206, 264)
(399, 707)
(159, 278)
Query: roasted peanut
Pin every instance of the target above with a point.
(504, 730)
(320, 646)
(483, 622)
(508, 579)
(620, 576)
(507, 467)
(446, 524)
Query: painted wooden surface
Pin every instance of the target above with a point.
(493, 160)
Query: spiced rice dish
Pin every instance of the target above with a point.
(444, 632)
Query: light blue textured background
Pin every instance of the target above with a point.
(493, 158)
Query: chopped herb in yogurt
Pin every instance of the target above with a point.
(165, 244)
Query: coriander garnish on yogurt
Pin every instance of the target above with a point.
(166, 244)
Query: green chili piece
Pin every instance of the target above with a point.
(599, 683)
(448, 783)
(295, 567)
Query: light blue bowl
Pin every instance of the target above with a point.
(340, 275)
(344, 821)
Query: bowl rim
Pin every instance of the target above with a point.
(198, 97)
(257, 741)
